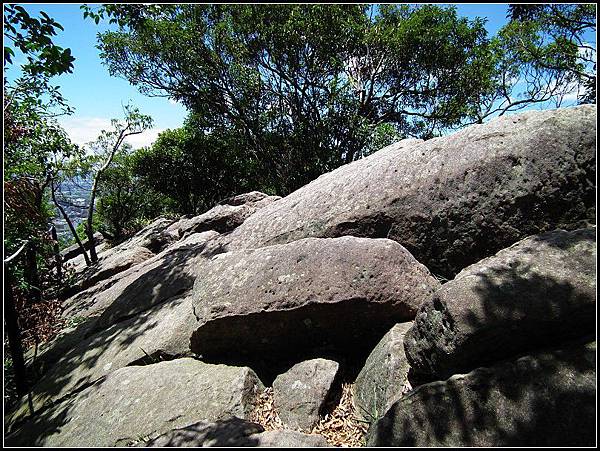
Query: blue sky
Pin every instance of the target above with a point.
(97, 97)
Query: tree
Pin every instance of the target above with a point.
(125, 202)
(304, 86)
(105, 148)
(209, 167)
(541, 56)
(31, 138)
(31, 134)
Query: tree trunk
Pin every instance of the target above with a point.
(57, 257)
(89, 230)
(70, 224)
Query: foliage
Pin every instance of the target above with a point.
(125, 204)
(306, 88)
(197, 169)
(303, 88)
(34, 148)
(541, 56)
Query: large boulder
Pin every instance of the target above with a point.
(545, 399)
(233, 432)
(141, 401)
(159, 279)
(384, 376)
(341, 293)
(143, 311)
(225, 216)
(537, 292)
(300, 393)
(454, 200)
(167, 274)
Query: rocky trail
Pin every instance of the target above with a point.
(435, 293)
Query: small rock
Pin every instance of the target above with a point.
(300, 393)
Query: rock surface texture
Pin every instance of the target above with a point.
(160, 333)
(384, 376)
(300, 393)
(546, 399)
(136, 402)
(452, 200)
(308, 294)
(535, 293)
(331, 298)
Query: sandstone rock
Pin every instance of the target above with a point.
(253, 197)
(159, 278)
(224, 217)
(454, 200)
(546, 399)
(300, 393)
(384, 376)
(142, 246)
(223, 433)
(343, 293)
(233, 432)
(161, 333)
(143, 311)
(142, 401)
(169, 274)
(111, 262)
(536, 292)
(153, 237)
(289, 439)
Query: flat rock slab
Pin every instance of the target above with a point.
(535, 293)
(161, 333)
(233, 432)
(384, 376)
(136, 402)
(454, 200)
(281, 300)
(545, 399)
(300, 393)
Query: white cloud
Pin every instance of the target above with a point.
(82, 130)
